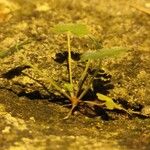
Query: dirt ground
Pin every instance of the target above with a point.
(31, 118)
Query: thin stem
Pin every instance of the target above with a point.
(69, 60)
(52, 82)
(92, 103)
(88, 86)
(83, 76)
(39, 82)
(70, 112)
(75, 101)
(85, 90)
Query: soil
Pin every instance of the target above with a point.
(31, 117)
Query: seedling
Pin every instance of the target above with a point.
(72, 90)
(75, 96)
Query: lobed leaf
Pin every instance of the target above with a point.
(75, 29)
(104, 53)
(109, 103)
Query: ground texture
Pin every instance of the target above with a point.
(30, 118)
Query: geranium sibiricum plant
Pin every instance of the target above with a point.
(75, 91)
(75, 95)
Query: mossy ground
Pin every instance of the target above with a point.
(38, 123)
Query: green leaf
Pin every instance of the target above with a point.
(104, 53)
(75, 29)
(68, 87)
(109, 103)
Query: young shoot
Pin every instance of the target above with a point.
(80, 30)
(71, 90)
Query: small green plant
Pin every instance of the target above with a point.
(75, 95)
(72, 90)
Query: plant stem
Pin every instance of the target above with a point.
(83, 76)
(39, 82)
(93, 103)
(69, 61)
(88, 86)
(52, 82)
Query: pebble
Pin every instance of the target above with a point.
(146, 110)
